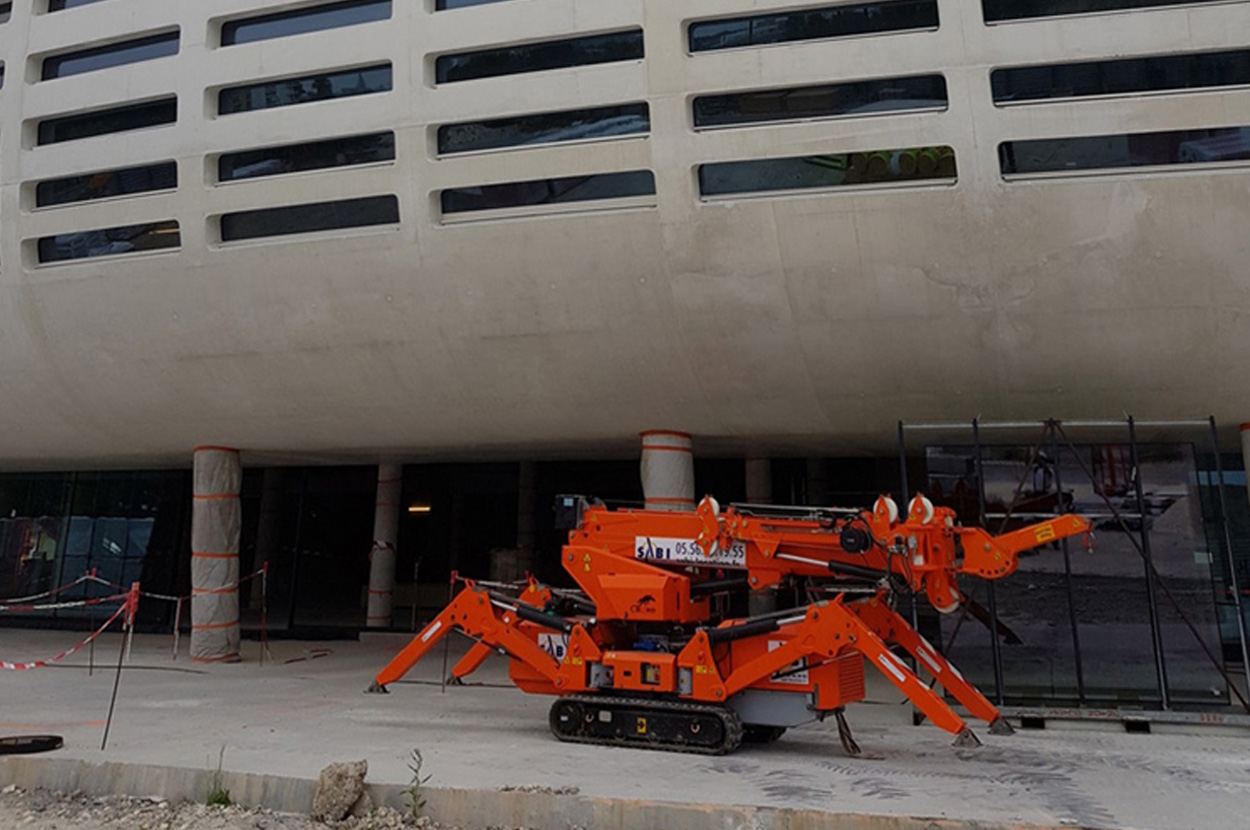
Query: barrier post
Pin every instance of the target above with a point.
(264, 611)
(128, 625)
(177, 626)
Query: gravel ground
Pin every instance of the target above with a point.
(43, 810)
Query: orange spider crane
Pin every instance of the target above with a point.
(645, 654)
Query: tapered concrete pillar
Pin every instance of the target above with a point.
(215, 521)
(667, 470)
(382, 555)
(526, 502)
(268, 525)
(817, 482)
(759, 481)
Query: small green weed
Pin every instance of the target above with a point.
(218, 796)
(414, 798)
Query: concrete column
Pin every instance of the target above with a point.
(268, 524)
(526, 502)
(382, 555)
(1245, 452)
(817, 482)
(667, 470)
(759, 481)
(216, 475)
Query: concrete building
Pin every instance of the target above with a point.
(450, 232)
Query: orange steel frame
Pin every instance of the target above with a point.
(819, 650)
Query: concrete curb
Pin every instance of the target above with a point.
(469, 808)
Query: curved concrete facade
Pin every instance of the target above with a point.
(800, 322)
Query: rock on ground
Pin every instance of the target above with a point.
(340, 787)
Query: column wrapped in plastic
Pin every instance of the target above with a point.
(382, 556)
(667, 470)
(215, 520)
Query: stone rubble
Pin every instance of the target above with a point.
(45, 810)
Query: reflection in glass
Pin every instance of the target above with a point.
(1110, 152)
(107, 184)
(1107, 592)
(315, 155)
(1121, 77)
(103, 122)
(884, 95)
(538, 57)
(549, 191)
(813, 24)
(116, 54)
(996, 10)
(154, 236)
(318, 216)
(59, 5)
(303, 21)
(326, 86)
(834, 170)
(547, 128)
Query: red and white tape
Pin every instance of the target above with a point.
(36, 664)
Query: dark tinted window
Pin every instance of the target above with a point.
(316, 155)
(106, 184)
(1016, 9)
(443, 5)
(1109, 152)
(102, 122)
(537, 57)
(319, 216)
(342, 84)
(1118, 77)
(302, 21)
(6, 11)
(116, 54)
(547, 128)
(813, 24)
(859, 98)
(549, 191)
(127, 239)
(58, 5)
(836, 170)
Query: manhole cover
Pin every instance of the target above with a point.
(26, 744)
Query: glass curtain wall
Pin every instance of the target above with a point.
(1080, 625)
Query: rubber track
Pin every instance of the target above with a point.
(733, 724)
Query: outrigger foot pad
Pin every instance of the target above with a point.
(452, 680)
(376, 689)
(967, 739)
(1000, 726)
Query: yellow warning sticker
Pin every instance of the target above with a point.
(642, 726)
(1045, 533)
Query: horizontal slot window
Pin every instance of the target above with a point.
(547, 128)
(291, 91)
(107, 184)
(998, 10)
(309, 218)
(539, 57)
(61, 5)
(303, 21)
(104, 122)
(813, 24)
(588, 188)
(1115, 152)
(836, 170)
(127, 239)
(444, 5)
(1121, 77)
(116, 54)
(314, 155)
(885, 95)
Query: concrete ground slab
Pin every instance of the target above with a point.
(292, 717)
